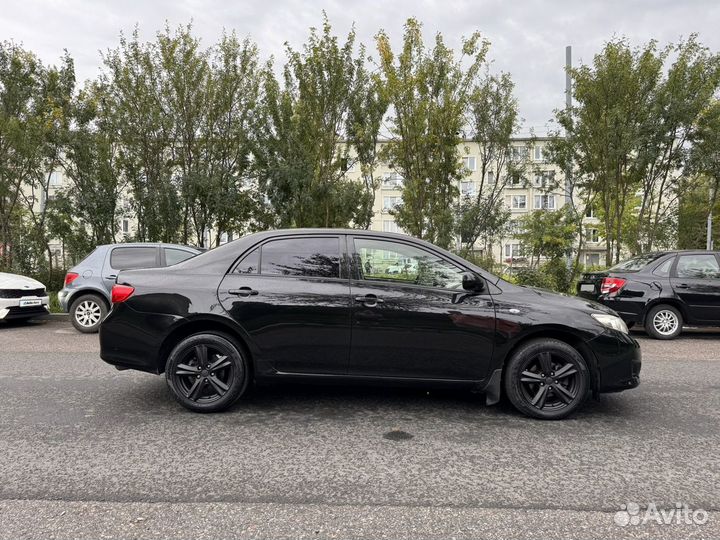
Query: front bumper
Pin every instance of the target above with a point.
(618, 359)
(11, 308)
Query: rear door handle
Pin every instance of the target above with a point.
(369, 300)
(681, 286)
(111, 276)
(243, 291)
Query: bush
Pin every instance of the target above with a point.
(553, 275)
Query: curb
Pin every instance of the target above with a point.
(58, 316)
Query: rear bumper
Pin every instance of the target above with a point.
(618, 359)
(131, 339)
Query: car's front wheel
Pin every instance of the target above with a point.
(87, 312)
(664, 322)
(547, 378)
(207, 372)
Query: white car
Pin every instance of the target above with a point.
(21, 297)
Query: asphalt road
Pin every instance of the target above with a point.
(90, 452)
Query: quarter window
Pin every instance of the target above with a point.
(380, 260)
(307, 257)
(174, 256)
(698, 266)
(250, 263)
(125, 258)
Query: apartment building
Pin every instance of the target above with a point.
(522, 195)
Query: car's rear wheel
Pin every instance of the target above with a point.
(547, 378)
(87, 312)
(207, 372)
(664, 322)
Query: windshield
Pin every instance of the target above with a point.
(636, 263)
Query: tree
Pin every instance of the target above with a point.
(429, 92)
(493, 117)
(302, 155)
(705, 166)
(34, 120)
(144, 136)
(547, 235)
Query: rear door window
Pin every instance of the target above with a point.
(698, 266)
(126, 258)
(306, 257)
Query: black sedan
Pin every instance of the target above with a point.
(661, 290)
(323, 305)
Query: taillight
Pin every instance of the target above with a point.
(70, 277)
(612, 285)
(120, 293)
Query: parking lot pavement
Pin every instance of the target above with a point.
(89, 452)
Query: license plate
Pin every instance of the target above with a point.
(587, 287)
(30, 303)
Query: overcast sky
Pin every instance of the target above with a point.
(528, 37)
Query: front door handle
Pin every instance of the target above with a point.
(681, 286)
(369, 300)
(243, 291)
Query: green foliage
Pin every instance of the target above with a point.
(429, 90)
(299, 159)
(547, 234)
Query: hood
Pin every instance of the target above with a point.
(572, 302)
(14, 281)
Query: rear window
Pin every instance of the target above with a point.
(307, 257)
(636, 263)
(126, 258)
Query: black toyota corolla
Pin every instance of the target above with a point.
(362, 307)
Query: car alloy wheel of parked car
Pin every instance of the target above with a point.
(546, 377)
(207, 372)
(87, 312)
(664, 322)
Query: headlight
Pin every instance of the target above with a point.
(611, 321)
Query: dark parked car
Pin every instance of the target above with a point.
(86, 295)
(317, 305)
(661, 290)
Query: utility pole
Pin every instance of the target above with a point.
(568, 106)
(709, 240)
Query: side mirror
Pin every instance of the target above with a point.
(471, 282)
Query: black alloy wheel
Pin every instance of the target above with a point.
(547, 379)
(207, 372)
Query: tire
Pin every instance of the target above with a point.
(548, 396)
(87, 312)
(196, 384)
(664, 322)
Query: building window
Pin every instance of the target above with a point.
(545, 202)
(592, 259)
(519, 202)
(467, 189)
(513, 250)
(469, 163)
(491, 177)
(516, 179)
(518, 152)
(592, 235)
(390, 202)
(392, 181)
(55, 179)
(391, 226)
(515, 227)
(224, 238)
(544, 179)
(125, 226)
(538, 153)
(590, 212)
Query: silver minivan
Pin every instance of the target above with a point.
(86, 294)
